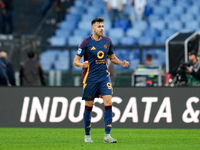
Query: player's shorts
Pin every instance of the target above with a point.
(98, 89)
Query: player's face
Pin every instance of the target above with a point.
(98, 29)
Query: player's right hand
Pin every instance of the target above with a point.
(85, 64)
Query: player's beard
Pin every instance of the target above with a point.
(100, 34)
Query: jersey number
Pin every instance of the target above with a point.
(109, 85)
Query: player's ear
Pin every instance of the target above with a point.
(93, 28)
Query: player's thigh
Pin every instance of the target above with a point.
(107, 99)
(105, 87)
(89, 92)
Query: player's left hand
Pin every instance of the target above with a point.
(125, 64)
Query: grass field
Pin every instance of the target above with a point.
(67, 139)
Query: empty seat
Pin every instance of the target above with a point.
(160, 10)
(170, 18)
(122, 23)
(107, 25)
(154, 17)
(98, 4)
(127, 40)
(140, 25)
(158, 24)
(47, 59)
(175, 25)
(58, 41)
(62, 61)
(145, 40)
(94, 11)
(116, 33)
(75, 10)
(81, 32)
(133, 32)
(72, 18)
(184, 3)
(177, 10)
(196, 3)
(115, 40)
(166, 33)
(86, 25)
(194, 10)
(167, 3)
(78, 3)
(186, 18)
(88, 17)
(67, 25)
(75, 40)
(192, 25)
(160, 40)
(151, 32)
(62, 33)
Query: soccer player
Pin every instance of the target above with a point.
(96, 76)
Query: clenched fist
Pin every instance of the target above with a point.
(85, 64)
(125, 64)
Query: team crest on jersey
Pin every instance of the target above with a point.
(93, 48)
(105, 46)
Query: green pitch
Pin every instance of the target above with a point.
(67, 139)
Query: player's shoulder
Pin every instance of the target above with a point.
(85, 41)
(106, 38)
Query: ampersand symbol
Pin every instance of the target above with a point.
(190, 111)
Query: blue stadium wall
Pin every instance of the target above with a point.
(60, 107)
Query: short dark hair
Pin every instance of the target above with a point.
(31, 54)
(192, 53)
(149, 57)
(98, 19)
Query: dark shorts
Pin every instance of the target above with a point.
(98, 89)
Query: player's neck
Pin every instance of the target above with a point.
(96, 37)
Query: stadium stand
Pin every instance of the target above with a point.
(154, 29)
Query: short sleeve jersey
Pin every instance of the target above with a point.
(95, 52)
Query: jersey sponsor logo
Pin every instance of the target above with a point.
(79, 51)
(100, 54)
(100, 61)
(93, 48)
(89, 97)
(105, 46)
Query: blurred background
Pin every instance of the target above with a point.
(167, 30)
